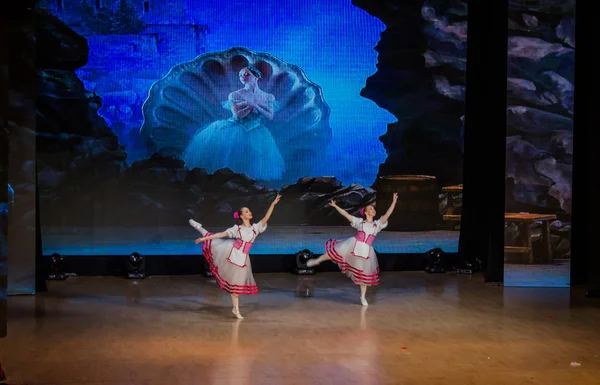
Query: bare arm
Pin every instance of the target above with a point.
(265, 109)
(386, 216)
(214, 236)
(264, 221)
(340, 210)
(239, 108)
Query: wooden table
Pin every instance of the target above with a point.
(524, 220)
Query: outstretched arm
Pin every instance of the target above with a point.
(386, 216)
(264, 221)
(340, 210)
(214, 236)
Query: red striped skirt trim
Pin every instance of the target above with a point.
(223, 284)
(358, 276)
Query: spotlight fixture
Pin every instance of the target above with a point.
(56, 267)
(301, 258)
(136, 266)
(470, 267)
(435, 261)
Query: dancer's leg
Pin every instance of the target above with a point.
(235, 299)
(363, 292)
(198, 227)
(315, 261)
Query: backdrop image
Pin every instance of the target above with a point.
(154, 112)
(541, 58)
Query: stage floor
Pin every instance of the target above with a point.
(557, 274)
(277, 240)
(419, 329)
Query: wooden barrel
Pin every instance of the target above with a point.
(418, 201)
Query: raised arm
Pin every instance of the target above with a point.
(340, 210)
(386, 216)
(264, 221)
(239, 107)
(214, 236)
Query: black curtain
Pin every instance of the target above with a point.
(585, 253)
(482, 222)
(41, 264)
(4, 95)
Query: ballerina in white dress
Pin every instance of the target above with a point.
(228, 258)
(355, 255)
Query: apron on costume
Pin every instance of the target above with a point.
(364, 241)
(241, 249)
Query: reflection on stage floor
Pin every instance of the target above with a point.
(418, 329)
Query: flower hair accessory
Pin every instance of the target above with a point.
(236, 215)
(362, 211)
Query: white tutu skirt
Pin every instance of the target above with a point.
(360, 270)
(232, 278)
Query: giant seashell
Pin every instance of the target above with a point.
(190, 97)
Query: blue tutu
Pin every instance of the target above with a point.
(245, 146)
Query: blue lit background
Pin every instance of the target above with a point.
(331, 41)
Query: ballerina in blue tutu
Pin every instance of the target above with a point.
(241, 143)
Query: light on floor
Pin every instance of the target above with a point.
(301, 258)
(136, 266)
(434, 261)
(56, 267)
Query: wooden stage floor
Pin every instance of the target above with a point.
(419, 329)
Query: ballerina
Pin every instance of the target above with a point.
(355, 256)
(241, 143)
(228, 258)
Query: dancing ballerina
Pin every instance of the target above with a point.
(355, 256)
(228, 258)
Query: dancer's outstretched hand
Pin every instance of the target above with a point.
(332, 203)
(200, 240)
(277, 199)
(395, 197)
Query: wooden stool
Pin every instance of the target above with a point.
(524, 220)
(452, 204)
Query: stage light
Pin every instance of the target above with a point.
(136, 266)
(469, 267)
(301, 258)
(56, 267)
(435, 261)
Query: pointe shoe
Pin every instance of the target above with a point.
(237, 313)
(194, 224)
(364, 302)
